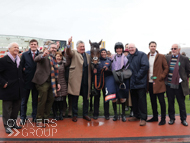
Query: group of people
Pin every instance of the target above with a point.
(50, 76)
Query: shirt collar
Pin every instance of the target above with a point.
(154, 54)
(33, 52)
(175, 56)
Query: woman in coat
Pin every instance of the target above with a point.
(61, 95)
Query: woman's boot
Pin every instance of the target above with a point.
(61, 110)
(115, 111)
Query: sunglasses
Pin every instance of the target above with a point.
(173, 48)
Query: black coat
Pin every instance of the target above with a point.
(13, 75)
(139, 64)
(28, 63)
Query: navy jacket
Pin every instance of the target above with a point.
(139, 64)
(103, 62)
(28, 63)
(13, 75)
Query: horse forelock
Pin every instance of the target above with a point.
(95, 45)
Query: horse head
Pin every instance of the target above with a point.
(95, 52)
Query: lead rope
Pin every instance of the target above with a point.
(101, 77)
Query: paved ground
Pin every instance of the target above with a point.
(100, 130)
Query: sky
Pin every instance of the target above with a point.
(127, 21)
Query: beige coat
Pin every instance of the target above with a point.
(75, 72)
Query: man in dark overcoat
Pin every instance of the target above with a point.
(29, 68)
(11, 87)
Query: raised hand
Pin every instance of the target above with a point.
(46, 53)
(69, 41)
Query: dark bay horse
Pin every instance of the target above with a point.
(95, 52)
(95, 60)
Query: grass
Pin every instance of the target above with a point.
(149, 109)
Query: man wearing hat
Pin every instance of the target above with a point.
(126, 52)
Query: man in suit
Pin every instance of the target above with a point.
(29, 68)
(79, 78)
(177, 83)
(158, 69)
(11, 87)
(45, 78)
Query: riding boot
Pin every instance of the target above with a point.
(123, 112)
(115, 111)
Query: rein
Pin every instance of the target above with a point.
(99, 87)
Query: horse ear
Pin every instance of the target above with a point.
(100, 42)
(90, 42)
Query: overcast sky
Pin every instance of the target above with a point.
(136, 21)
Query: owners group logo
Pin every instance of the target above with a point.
(30, 129)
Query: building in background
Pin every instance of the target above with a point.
(23, 42)
(186, 50)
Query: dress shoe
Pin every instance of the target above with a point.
(142, 123)
(17, 127)
(74, 119)
(8, 130)
(152, 120)
(184, 123)
(115, 118)
(171, 122)
(133, 119)
(107, 117)
(123, 118)
(95, 117)
(22, 121)
(87, 118)
(162, 122)
(40, 124)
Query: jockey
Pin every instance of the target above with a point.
(114, 91)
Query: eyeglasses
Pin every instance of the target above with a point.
(173, 48)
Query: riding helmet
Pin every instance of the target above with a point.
(119, 44)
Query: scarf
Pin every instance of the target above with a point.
(54, 74)
(175, 77)
(13, 59)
